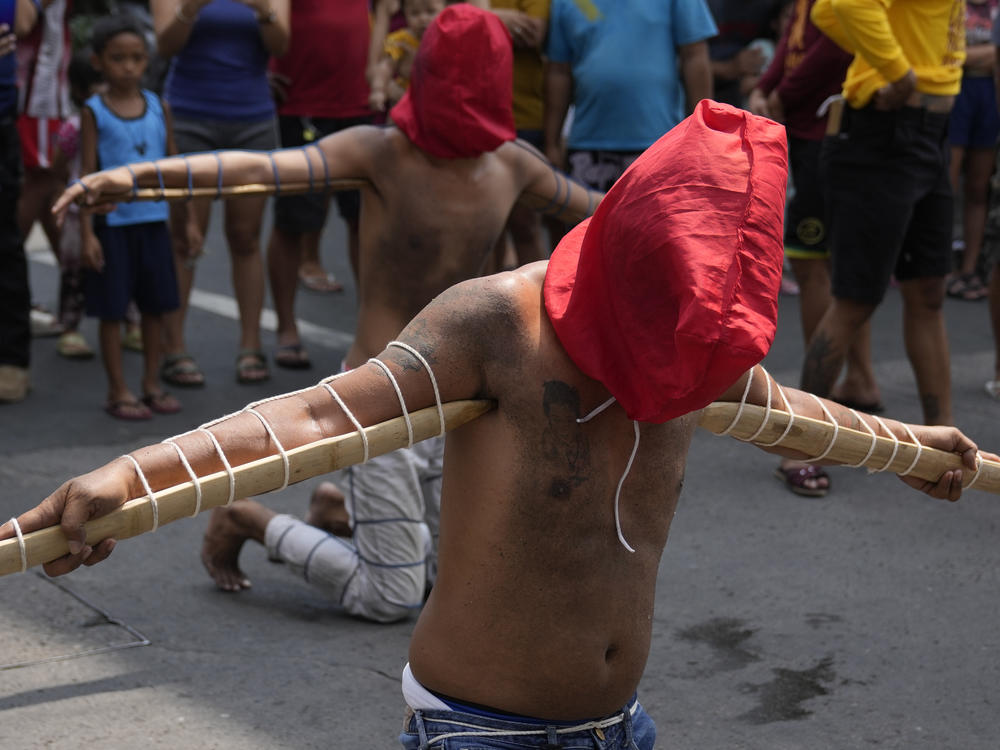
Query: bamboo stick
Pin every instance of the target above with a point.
(229, 191)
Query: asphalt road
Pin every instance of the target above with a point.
(865, 619)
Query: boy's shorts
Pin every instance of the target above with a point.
(139, 265)
(975, 122)
(38, 140)
(805, 215)
(889, 200)
(303, 214)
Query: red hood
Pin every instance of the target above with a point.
(459, 103)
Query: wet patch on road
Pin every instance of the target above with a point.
(781, 699)
(726, 636)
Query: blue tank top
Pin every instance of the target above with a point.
(8, 64)
(221, 73)
(124, 141)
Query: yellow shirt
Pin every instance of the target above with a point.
(401, 47)
(528, 71)
(890, 37)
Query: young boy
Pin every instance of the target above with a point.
(127, 252)
(391, 74)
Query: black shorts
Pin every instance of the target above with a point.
(299, 214)
(139, 265)
(889, 200)
(805, 215)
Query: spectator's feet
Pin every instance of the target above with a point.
(182, 371)
(251, 367)
(328, 510)
(993, 389)
(855, 394)
(967, 286)
(161, 402)
(13, 383)
(44, 323)
(128, 409)
(220, 548)
(803, 479)
(132, 340)
(292, 357)
(73, 345)
(315, 279)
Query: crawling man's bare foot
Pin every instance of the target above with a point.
(328, 510)
(228, 528)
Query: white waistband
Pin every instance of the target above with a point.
(417, 696)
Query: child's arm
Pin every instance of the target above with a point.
(381, 74)
(346, 154)
(380, 30)
(552, 192)
(90, 248)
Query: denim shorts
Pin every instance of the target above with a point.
(628, 729)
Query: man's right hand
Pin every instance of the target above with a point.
(79, 500)
(894, 95)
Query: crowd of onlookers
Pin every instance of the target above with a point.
(595, 83)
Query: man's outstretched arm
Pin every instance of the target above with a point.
(553, 192)
(346, 154)
(950, 439)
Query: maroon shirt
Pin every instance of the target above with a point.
(807, 68)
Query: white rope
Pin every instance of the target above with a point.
(743, 403)
(618, 491)
(274, 438)
(23, 550)
(791, 419)
(596, 411)
(149, 491)
(430, 372)
(975, 477)
(920, 450)
(350, 416)
(767, 411)
(195, 479)
(399, 395)
(225, 463)
(895, 445)
(836, 430)
(871, 448)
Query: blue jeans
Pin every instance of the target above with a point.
(456, 730)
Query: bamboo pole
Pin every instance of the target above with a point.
(229, 191)
(810, 436)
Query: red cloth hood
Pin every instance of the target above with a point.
(459, 103)
(669, 292)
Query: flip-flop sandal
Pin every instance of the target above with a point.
(795, 479)
(321, 282)
(73, 345)
(128, 410)
(181, 371)
(162, 403)
(292, 357)
(251, 367)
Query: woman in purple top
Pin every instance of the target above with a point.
(217, 88)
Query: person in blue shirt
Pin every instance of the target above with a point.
(17, 18)
(631, 70)
(127, 252)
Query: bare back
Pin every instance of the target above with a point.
(426, 224)
(538, 609)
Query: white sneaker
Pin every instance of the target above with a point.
(13, 383)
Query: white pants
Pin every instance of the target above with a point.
(394, 503)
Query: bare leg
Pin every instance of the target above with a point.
(111, 356)
(152, 335)
(243, 219)
(328, 510)
(228, 528)
(283, 257)
(859, 385)
(978, 169)
(828, 347)
(187, 236)
(927, 346)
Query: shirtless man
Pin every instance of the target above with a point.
(438, 191)
(551, 535)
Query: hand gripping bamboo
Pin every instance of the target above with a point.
(253, 478)
(813, 436)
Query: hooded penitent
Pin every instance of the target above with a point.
(669, 292)
(459, 103)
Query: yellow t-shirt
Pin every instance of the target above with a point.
(889, 37)
(401, 46)
(528, 70)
